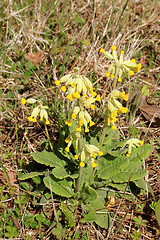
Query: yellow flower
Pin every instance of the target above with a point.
(98, 98)
(69, 123)
(107, 74)
(131, 72)
(125, 97)
(67, 140)
(76, 156)
(63, 88)
(82, 164)
(138, 68)
(47, 122)
(113, 48)
(79, 129)
(101, 50)
(23, 101)
(119, 79)
(112, 76)
(86, 129)
(76, 95)
(114, 127)
(100, 153)
(91, 123)
(70, 97)
(93, 164)
(67, 149)
(73, 115)
(57, 82)
(132, 143)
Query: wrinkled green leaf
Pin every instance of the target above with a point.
(103, 219)
(124, 175)
(30, 175)
(89, 217)
(113, 167)
(61, 173)
(59, 187)
(48, 158)
(88, 194)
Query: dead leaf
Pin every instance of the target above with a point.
(150, 111)
(35, 58)
(12, 177)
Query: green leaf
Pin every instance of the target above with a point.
(59, 187)
(48, 158)
(124, 175)
(103, 219)
(89, 217)
(61, 173)
(86, 42)
(28, 73)
(78, 19)
(145, 90)
(59, 231)
(88, 193)
(141, 183)
(141, 153)
(30, 175)
(113, 167)
(97, 203)
(157, 211)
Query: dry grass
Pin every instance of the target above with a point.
(58, 29)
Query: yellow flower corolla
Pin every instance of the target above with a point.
(39, 111)
(120, 65)
(82, 164)
(132, 143)
(69, 123)
(107, 74)
(67, 149)
(93, 164)
(23, 101)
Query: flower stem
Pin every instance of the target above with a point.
(115, 80)
(102, 139)
(80, 168)
(49, 138)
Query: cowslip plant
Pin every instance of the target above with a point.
(88, 161)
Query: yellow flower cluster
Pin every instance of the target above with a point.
(133, 143)
(75, 84)
(78, 87)
(73, 137)
(40, 110)
(120, 65)
(81, 114)
(114, 107)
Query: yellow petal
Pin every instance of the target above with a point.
(23, 101)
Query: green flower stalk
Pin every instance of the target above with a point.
(40, 110)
